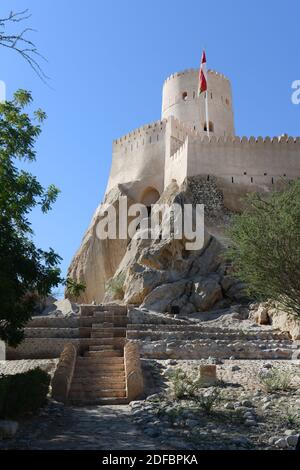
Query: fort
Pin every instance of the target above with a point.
(148, 159)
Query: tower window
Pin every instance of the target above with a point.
(251, 179)
(194, 95)
(211, 127)
(227, 101)
(211, 96)
(184, 95)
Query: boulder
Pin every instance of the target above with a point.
(206, 293)
(261, 315)
(162, 296)
(285, 322)
(62, 308)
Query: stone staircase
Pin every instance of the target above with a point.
(196, 341)
(99, 375)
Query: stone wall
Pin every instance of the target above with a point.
(63, 375)
(133, 371)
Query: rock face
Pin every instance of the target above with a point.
(97, 260)
(268, 313)
(61, 308)
(159, 273)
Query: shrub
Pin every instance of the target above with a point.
(265, 246)
(185, 386)
(23, 393)
(275, 379)
(208, 401)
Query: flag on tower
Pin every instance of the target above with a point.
(202, 75)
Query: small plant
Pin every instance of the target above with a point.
(23, 393)
(292, 418)
(275, 380)
(183, 386)
(208, 401)
(74, 288)
(115, 286)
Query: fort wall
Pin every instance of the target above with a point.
(139, 155)
(245, 160)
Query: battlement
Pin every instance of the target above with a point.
(181, 151)
(156, 126)
(247, 140)
(196, 72)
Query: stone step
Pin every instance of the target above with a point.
(102, 317)
(107, 353)
(90, 310)
(113, 341)
(103, 347)
(190, 335)
(208, 329)
(95, 386)
(89, 321)
(94, 395)
(99, 401)
(99, 374)
(109, 333)
(85, 361)
(104, 369)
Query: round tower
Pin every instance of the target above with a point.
(180, 99)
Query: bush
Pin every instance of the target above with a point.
(185, 386)
(275, 379)
(208, 401)
(23, 393)
(265, 248)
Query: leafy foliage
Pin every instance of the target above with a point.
(73, 288)
(23, 393)
(25, 271)
(265, 248)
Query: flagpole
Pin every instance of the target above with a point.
(206, 112)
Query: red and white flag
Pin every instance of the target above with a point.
(202, 75)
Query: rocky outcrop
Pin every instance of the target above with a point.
(159, 273)
(268, 313)
(61, 308)
(97, 260)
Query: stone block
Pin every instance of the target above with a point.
(208, 374)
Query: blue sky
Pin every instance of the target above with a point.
(107, 61)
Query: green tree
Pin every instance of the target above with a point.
(265, 248)
(25, 271)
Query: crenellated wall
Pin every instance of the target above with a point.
(138, 156)
(245, 160)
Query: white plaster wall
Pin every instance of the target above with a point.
(191, 112)
(176, 165)
(266, 161)
(140, 156)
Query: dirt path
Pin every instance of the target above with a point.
(89, 428)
